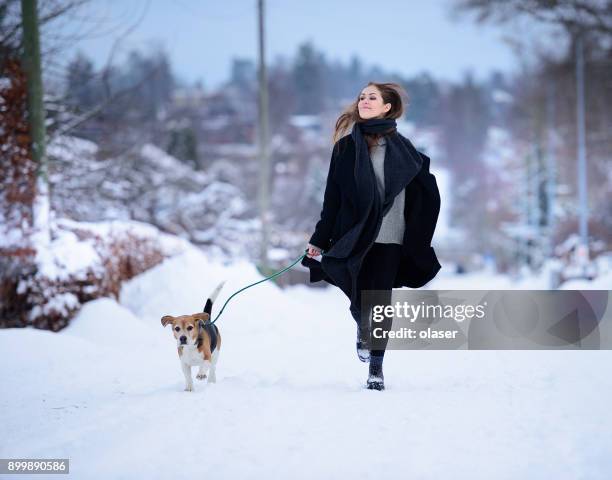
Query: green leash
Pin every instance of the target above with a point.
(252, 284)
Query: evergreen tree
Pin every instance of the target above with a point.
(308, 78)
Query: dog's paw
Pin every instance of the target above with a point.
(189, 388)
(201, 376)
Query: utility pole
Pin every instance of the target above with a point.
(36, 119)
(551, 167)
(583, 252)
(264, 170)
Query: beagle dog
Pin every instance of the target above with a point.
(198, 341)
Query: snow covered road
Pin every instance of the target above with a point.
(107, 392)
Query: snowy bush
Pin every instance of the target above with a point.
(146, 184)
(84, 262)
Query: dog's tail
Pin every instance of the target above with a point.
(211, 299)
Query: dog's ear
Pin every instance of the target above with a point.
(166, 319)
(203, 316)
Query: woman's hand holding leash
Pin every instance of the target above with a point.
(313, 251)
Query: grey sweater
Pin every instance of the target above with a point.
(393, 224)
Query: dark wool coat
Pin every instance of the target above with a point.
(347, 228)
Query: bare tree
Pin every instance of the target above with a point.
(36, 119)
(594, 16)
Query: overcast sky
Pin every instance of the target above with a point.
(404, 36)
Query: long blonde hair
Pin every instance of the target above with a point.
(390, 92)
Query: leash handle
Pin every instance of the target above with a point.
(263, 280)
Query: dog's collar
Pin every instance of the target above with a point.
(201, 326)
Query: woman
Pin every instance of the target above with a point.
(379, 213)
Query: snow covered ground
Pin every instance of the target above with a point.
(107, 392)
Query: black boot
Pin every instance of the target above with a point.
(363, 351)
(376, 380)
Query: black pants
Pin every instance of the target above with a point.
(378, 272)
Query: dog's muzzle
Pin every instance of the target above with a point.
(183, 340)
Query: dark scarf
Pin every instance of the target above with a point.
(402, 163)
(366, 183)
